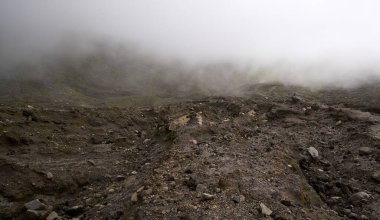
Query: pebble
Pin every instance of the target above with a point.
(134, 197)
(353, 215)
(120, 177)
(364, 217)
(52, 216)
(313, 152)
(91, 162)
(359, 196)
(265, 210)
(134, 172)
(206, 196)
(365, 151)
(35, 205)
(238, 199)
(111, 190)
(347, 211)
(49, 175)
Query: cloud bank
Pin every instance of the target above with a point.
(305, 42)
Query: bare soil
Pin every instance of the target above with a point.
(215, 158)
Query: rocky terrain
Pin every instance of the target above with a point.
(262, 156)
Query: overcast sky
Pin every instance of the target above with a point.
(343, 33)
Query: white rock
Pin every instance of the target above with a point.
(49, 175)
(313, 152)
(265, 210)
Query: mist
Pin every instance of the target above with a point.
(297, 42)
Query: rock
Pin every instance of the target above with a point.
(29, 114)
(91, 162)
(33, 215)
(359, 197)
(295, 99)
(120, 177)
(134, 197)
(265, 210)
(206, 197)
(252, 113)
(195, 142)
(313, 152)
(346, 211)
(376, 176)
(35, 205)
(238, 199)
(111, 190)
(191, 183)
(134, 172)
(75, 210)
(353, 215)
(181, 121)
(49, 175)
(365, 151)
(364, 217)
(52, 216)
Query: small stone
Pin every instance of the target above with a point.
(49, 175)
(111, 190)
(295, 99)
(252, 113)
(206, 196)
(75, 210)
(91, 162)
(134, 172)
(364, 217)
(359, 196)
(365, 151)
(195, 142)
(52, 216)
(165, 188)
(265, 210)
(120, 177)
(134, 197)
(346, 211)
(238, 199)
(191, 183)
(376, 176)
(313, 152)
(353, 215)
(35, 205)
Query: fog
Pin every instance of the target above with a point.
(302, 42)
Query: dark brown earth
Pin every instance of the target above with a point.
(215, 158)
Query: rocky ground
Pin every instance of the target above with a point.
(216, 158)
